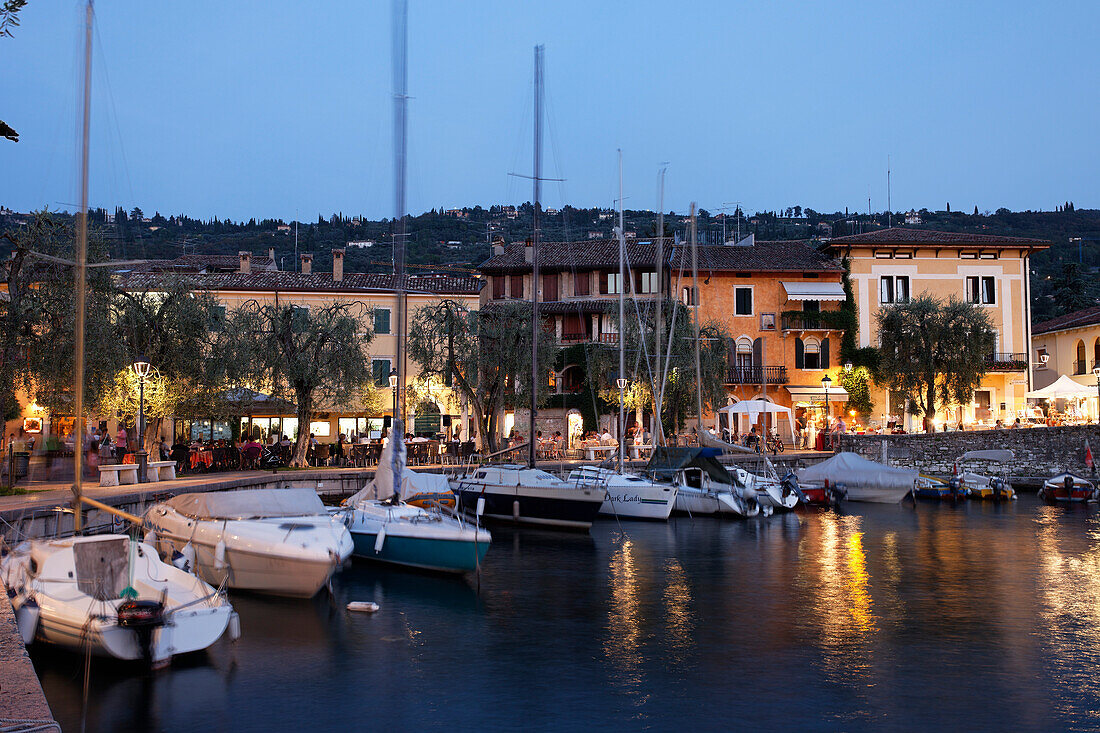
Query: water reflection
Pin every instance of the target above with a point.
(623, 645)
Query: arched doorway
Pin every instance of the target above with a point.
(574, 423)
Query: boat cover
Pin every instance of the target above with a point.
(412, 483)
(249, 504)
(988, 455)
(674, 458)
(855, 471)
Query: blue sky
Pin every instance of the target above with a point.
(251, 108)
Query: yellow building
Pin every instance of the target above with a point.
(1069, 345)
(891, 265)
(374, 292)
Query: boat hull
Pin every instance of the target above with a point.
(531, 505)
(639, 505)
(439, 555)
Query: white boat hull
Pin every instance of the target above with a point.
(627, 496)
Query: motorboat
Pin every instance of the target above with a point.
(1068, 487)
(386, 527)
(517, 494)
(984, 486)
(277, 541)
(704, 486)
(860, 479)
(112, 595)
(627, 495)
(930, 487)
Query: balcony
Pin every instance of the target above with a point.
(1079, 367)
(998, 362)
(756, 375)
(812, 321)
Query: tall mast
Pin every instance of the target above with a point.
(80, 283)
(535, 258)
(695, 303)
(621, 381)
(658, 389)
(400, 165)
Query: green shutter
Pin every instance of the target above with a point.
(799, 354)
(824, 353)
(381, 320)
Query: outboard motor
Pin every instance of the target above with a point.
(790, 486)
(998, 486)
(1069, 486)
(956, 487)
(143, 618)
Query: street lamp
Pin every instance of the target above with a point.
(142, 369)
(825, 382)
(393, 388)
(1096, 373)
(847, 367)
(621, 383)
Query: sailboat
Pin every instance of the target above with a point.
(386, 528)
(113, 594)
(513, 492)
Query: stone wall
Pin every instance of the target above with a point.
(1040, 451)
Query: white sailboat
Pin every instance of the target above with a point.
(277, 541)
(114, 595)
(627, 496)
(387, 529)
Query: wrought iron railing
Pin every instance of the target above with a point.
(1006, 362)
(756, 375)
(1079, 366)
(813, 321)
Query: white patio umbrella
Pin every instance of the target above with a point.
(753, 408)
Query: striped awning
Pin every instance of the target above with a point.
(816, 393)
(814, 291)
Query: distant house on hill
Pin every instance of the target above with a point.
(363, 244)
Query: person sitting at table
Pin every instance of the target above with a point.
(608, 439)
(556, 445)
(338, 458)
(181, 454)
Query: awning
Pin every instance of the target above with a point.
(814, 291)
(811, 393)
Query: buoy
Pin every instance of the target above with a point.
(515, 510)
(234, 626)
(219, 556)
(480, 505)
(380, 539)
(363, 606)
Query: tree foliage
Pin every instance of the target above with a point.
(485, 354)
(934, 351)
(316, 356)
(1071, 292)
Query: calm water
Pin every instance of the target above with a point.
(893, 618)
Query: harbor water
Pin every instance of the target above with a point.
(979, 616)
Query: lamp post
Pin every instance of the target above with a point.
(393, 388)
(825, 382)
(621, 383)
(847, 367)
(1096, 373)
(142, 369)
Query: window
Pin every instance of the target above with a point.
(988, 255)
(550, 287)
(744, 353)
(517, 287)
(649, 282)
(689, 296)
(811, 306)
(580, 283)
(380, 371)
(1079, 363)
(811, 354)
(767, 321)
(498, 287)
(321, 428)
(903, 255)
(614, 282)
(742, 301)
(968, 255)
(216, 321)
(893, 289)
(381, 320)
(981, 290)
(883, 255)
(299, 318)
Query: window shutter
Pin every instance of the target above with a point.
(825, 353)
(758, 352)
(731, 350)
(603, 283)
(799, 354)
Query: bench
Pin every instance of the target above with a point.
(118, 473)
(161, 470)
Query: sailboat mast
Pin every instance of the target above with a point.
(400, 166)
(621, 381)
(695, 303)
(80, 282)
(535, 258)
(658, 389)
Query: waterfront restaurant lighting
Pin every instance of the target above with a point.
(621, 383)
(825, 382)
(848, 367)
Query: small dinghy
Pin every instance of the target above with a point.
(929, 487)
(860, 479)
(1068, 487)
(277, 541)
(981, 485)
(390, 530)
(114, 594)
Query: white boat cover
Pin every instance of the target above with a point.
(249, 504)
(412, 483)
(857, 472)
(1063, 387)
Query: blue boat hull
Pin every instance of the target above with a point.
(446, 556)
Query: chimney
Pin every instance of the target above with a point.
(271, 254)
(246, 262)
(307, 264)
(498, 244)
(528, 252)
(337, 265)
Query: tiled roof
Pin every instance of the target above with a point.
(605, 304)
(589, 254)
(272, 280)
(221, 262)
(1077, 319)
(777, 256)
(900, 235)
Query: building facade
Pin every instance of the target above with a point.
(1068, 345)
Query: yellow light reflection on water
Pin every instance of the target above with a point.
(624, 626)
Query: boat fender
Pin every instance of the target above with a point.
(480, 505)
(363, 606)
(26, 618)
(380, 539)
(180, 561)
(234, 626)
(150, 538)
(515, 510)
(219, 556)
(188, 554)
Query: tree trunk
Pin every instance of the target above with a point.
(152, 432)
(301, 446)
